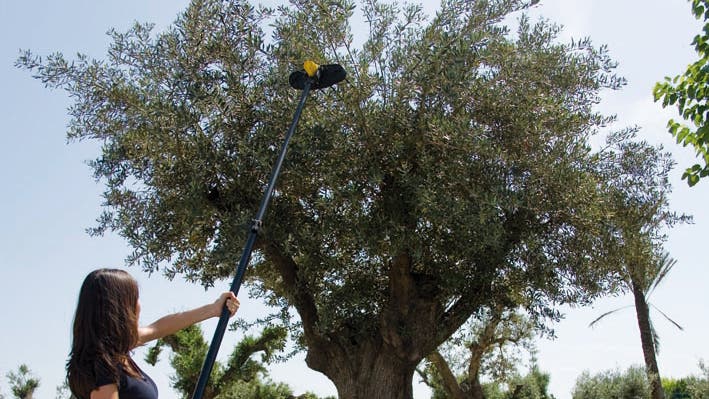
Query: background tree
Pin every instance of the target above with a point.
(632, 383)
(641, 190)
(648, 282)
(533, 385)
(22, 382)
(452, 171)
(676, 388)
(489, 344)
(642, 284)
(689, 92)
(242, 377)
(698, 386)
(689, 387)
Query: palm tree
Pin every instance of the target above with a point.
(641, 278)
(639, 202)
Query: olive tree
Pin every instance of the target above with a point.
(490, 344)
(452, 170)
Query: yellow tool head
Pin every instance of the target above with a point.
(317, 76)
(311, 68)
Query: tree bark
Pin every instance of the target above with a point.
(643, 314)
(367, 371)
(476, 353)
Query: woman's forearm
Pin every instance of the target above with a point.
(175, 322)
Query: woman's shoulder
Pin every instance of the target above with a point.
(108, 374)
(137, 387)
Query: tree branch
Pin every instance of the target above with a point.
(297, 291)
(450, 383)
(460, 311)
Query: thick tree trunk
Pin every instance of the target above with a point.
(643, 313)
(370, 372)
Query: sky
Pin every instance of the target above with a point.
(49, 198)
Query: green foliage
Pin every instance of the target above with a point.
(494, 390)
(639, 197)
(506, 345)
(188, 352)
(689, 92)
(490, 346)
(534, 385)
(633, 384)
(22, 382)
(271, 341)
(242, 373)
(630, 384)
(698, 386)
(256, 390)
(675, 389)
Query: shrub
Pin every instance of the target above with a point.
(613, 384)
(676, 389)
(698, 386)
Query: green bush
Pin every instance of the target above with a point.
(256, 390)
(698, 386)
(534, 385)
(676, 389)
(632, 384)
(493, 390)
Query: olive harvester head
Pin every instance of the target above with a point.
(319, 76)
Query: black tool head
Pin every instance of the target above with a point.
(325, 76)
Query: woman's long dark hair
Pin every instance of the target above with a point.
(105, 329)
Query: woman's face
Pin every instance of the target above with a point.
(137, 312)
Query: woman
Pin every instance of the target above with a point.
(106, 330)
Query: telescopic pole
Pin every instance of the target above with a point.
(246, 255)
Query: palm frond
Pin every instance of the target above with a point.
(665, 265)
(668, 318)
(593, 323)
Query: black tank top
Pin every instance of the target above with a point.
(130, 387)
